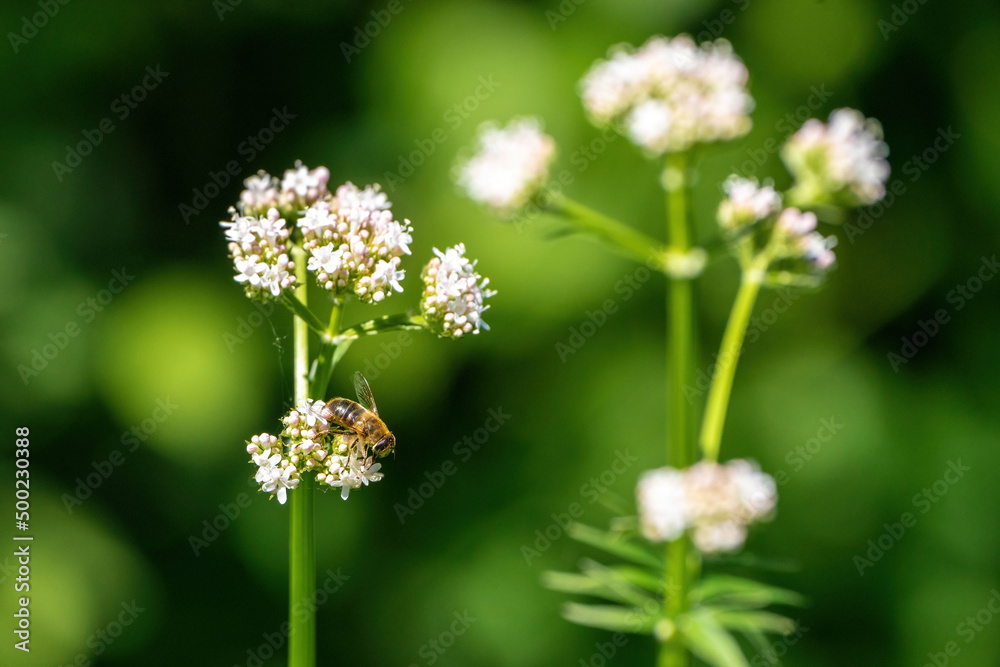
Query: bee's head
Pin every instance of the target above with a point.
(385, 445)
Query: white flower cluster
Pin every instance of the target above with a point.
(510, 165)
(275, 473)
(714, 502)
(452, 302)
(355, 244)
(746, 203)
(299, 188)
(671, 93)
(843, 158)
(258, 246)
(800, 240)
(336, 459)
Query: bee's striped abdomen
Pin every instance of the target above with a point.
(345, 412)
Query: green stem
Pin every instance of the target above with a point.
(301, 539)
(729, 355)
(625, 239)
(331, 352)
(297, 304)
(398, 322)
(679, 359)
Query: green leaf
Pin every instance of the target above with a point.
(708, 640)
(724, 590)
(640, 577)
(581, 584)
(307, 316)
(609, 617)
(617, 583)
(612, 544)
(755, 621)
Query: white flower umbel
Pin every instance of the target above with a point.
(746, 203)
(670, 93)
(258, 246)
(509, 166)
(714, 502)
(452, 301)
(841, 161)
(307, 445)
(355, 245)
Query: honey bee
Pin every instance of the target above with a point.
(360, 419)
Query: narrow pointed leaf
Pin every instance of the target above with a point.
(760, 621)
(708, 640)
(640, 577)
(613, 545)
(581, 584)
(738, 591)
(609, 617)
(617, 583)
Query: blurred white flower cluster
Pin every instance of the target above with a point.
(746, 203)
(258, 247)
(306, 444)
(794, 235)
(671, 93)
(714, 502)
(842, 161)
(509, 166)
(355, 244)
(452, 302)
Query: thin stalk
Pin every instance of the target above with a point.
(625, 239)
(302, 537)
(398, 322)
(328, 357)
(729, 356)
(680, 325)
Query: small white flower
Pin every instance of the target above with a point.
(281, 480)
(844, 158)
(258, 247)
(386, 273)
(510, 165)
(307, 185)
(719, 537)
(326, 259)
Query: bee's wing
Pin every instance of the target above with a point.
(364, 392)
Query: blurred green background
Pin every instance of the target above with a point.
(169, 335)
